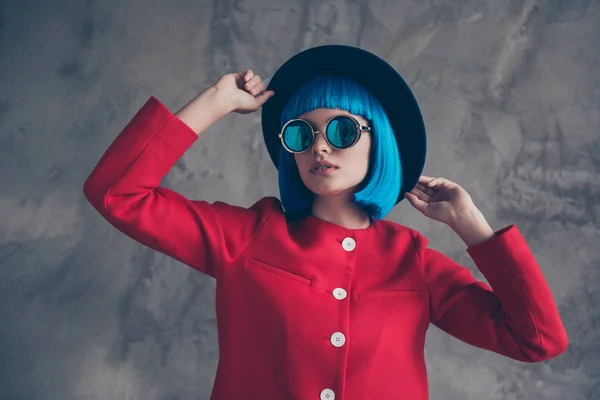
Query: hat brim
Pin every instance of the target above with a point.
(376, 75)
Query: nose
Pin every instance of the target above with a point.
(320, 144)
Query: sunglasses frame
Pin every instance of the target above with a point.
(359, 128)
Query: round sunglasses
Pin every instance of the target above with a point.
(341, 132)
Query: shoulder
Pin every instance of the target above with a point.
(231, 213)
(262, 206)
(404, 233)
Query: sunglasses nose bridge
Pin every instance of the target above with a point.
(319, 140)
(317, 144)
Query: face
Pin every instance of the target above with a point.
(352, 163)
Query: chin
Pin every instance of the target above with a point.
(328, 187)
(331, 191)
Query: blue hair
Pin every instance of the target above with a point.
(379, 191)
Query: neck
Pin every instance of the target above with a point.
(340, 211)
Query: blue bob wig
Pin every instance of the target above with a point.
(379, 191)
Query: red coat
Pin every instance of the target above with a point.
(312, 310)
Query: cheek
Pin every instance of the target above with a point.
(301, 162)
(362, 156)
(298, 160)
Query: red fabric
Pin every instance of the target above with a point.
(275, 309)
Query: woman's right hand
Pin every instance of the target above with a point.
(245, 91)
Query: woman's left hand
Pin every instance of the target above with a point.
(440, 199)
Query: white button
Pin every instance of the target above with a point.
(327, 394)
(339, 293)
(338, 339)
(348, 244)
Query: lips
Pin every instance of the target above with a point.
(318, 164)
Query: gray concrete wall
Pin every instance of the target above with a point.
(510, 90)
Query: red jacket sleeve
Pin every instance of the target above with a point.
(517, 317)
(124, 189)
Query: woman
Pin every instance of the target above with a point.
(317, 296)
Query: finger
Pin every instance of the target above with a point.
(420, 194)
(252, 88)
(258, 89)
(421, 186)
(262, 99)
(239, 78)
(438, 182)
(433, 185)
(248, 74)
(252, 82)
(424, 184)
(430, 184)
(416, 202)
(429, 191)
(429, 180)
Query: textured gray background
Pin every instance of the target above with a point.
(510, 90)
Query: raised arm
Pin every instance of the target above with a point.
(124, 186)
(517, 317)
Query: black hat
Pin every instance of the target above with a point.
(367, 69)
